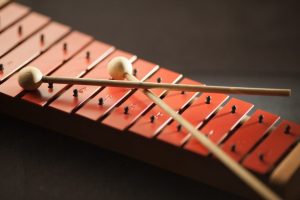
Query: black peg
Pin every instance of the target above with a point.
(287, 129)
(233, 148)
(126, 110)
(20, 30)
(1, 67)
(233, 109)
(65, 46)
(208, 100)
(158, 80)
(75, 93)
(261, 157)
(100, 101)
(88, 55)
(134, 72)
(179, 127)
(50, 85)
(152, 118)
(42, 38)
(260, 118)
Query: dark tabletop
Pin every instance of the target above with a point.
(239, 43)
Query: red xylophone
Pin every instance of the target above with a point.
(126, 121)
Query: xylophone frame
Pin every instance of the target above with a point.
(171, 158)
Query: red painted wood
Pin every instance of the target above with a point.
(30, 24)
(268, 153)
(112, 96)
(244, 139)
(138, 103)
(220, 125)
(49, 61)
(31, 49)
(12, 13)
(76, 67)
(175, 99)
(67, 102)
(196, 114)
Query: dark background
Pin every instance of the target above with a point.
(239, 43)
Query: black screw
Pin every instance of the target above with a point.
(158, 80)
(287, 129)
(260, 118)
(88, 55)
(233, 148)
(20, 29)
(42, 38)
(134, 72)
(65, 46)
(152, 118)
(1, 67)
(50, 85)
(126, 110)
(208, 100)
(100, 101)
(261, 157)
(233, 109)
(75, 93)
(182, 92)
(179, 127)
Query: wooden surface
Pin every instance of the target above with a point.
(221, 43)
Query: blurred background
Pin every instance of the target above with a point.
(236, 43)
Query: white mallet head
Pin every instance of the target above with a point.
(30, 78)
(118, 67)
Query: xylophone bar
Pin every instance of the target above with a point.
(137, 104)
(31, 49)
(221, 124)
(50, 60)
(11, 13)
(109, 97)
(156, 119)
(21, 31)
(204, 107)
(76, 67)
(268, 153)
(249, 134)
(76, 95)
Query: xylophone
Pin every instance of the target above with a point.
(125, 121)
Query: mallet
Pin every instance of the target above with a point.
(30, 78)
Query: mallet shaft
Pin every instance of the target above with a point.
(180, 87)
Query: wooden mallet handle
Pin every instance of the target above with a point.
(167, 86)
(30, 78)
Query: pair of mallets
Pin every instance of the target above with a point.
(119, 68)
